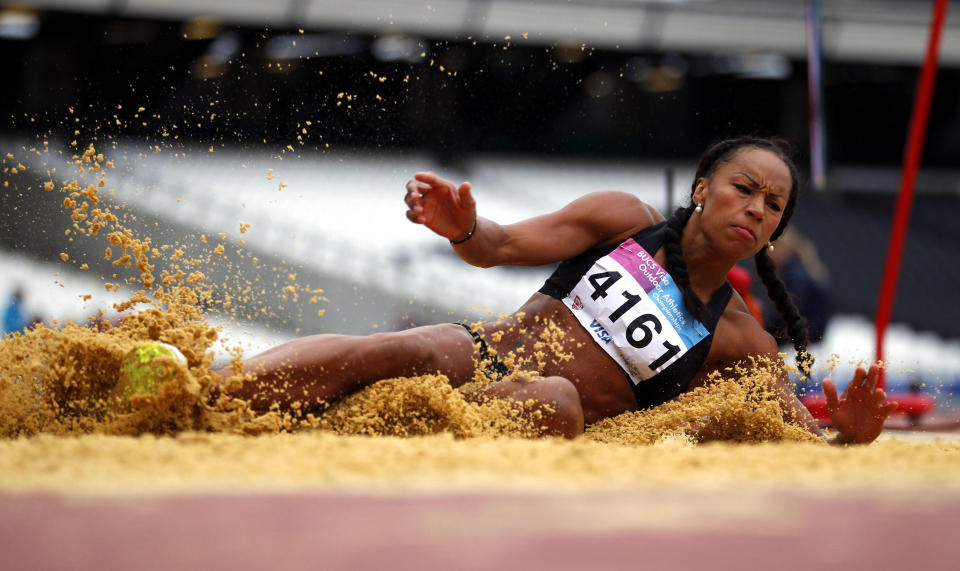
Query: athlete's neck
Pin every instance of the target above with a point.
(706, 265)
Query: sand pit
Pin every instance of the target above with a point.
(64, 434)
(320, 461)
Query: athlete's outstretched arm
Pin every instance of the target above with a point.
(858, 416)
(592, 220)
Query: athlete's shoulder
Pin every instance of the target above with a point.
(618, 209)
(618, 199)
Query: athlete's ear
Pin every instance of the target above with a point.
(699, 191)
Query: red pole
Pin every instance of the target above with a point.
(911, 161)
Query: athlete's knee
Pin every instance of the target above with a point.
(566, 416)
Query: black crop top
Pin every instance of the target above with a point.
(656, 375)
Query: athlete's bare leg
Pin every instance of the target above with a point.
(322, 368)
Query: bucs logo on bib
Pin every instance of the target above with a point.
(635, 302)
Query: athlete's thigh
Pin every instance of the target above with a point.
(447, 348)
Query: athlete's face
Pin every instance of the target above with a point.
(743, 200)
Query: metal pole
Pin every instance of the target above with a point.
(911, 162)
(669, 182)
(818, 151)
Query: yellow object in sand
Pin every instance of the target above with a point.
(146, 367)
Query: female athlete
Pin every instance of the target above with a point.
(643, 303)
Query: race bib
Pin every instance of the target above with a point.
(635, 311)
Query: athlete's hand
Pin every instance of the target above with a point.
(858, 415)
(436, 203)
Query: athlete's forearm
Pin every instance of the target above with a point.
(793, 410)
(481, 249)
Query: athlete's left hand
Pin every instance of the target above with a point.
(858, 415)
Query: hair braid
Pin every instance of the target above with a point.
(677, 266)
(796, 323)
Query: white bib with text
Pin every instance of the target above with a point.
(635, 311)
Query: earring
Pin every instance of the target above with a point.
(770, 246)
(698, 209)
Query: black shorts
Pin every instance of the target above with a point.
(493, 366)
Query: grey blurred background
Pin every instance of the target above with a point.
(304, 118)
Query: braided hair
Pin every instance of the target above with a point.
(714, 156)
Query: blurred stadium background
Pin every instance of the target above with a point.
(304, 118)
